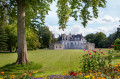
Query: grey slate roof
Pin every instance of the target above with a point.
(77, 37)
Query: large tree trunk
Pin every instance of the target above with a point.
(21, 37)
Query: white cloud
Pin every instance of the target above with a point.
(105, 19)
(77, 29)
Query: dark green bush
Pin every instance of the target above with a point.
(117, 44)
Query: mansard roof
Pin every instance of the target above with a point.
(76, 37)
(71, 37)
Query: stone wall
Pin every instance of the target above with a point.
(87, 46)
(56, 46)
(91, 46)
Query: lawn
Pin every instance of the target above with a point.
(53, 61)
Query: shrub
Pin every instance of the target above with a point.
(117, 44)
(95, 61)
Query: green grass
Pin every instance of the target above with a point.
(53, 61)
(18, 67)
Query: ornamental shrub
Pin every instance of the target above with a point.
(117, 44)
(95, 61)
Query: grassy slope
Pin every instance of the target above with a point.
(53, 61)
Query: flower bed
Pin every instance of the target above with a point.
(110, 72)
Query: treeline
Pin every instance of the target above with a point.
(101, 40)
(35, 38)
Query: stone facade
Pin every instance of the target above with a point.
(56, 46)
(72, 42)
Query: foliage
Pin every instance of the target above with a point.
(16, 67)
(90, 37)
(11, 31)
(110, 56)
(53, 39)
(100, 40)
(117, 44)
(77, 8)
(66, 9)
(3, 39)
(32, 39)
(45, 36)
(111, 38)
(95, 62)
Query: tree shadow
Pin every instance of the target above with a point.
(7, 52)
(18, 67)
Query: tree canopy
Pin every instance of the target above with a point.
(90, 37)
(66, 8)
(99, 39)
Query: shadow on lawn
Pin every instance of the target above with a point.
(21, 67)
(7, 52)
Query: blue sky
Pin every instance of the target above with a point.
(107, 22)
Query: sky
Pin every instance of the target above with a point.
(107, 22)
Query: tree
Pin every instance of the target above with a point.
(90, 37)
(3, 35)
(117, 44)
(66, 8)
(53, 39)
(100, 40)
(32, 39)
(3, 39)
(111, 38)
(11, 31)
(45, 36)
